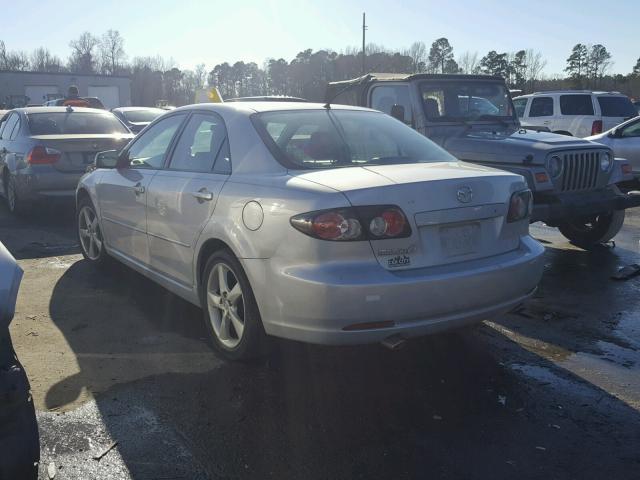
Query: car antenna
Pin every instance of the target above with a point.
(357, 82)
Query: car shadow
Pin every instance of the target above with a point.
(446, 406)
(49, 230)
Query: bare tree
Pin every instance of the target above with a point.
(535, 65)
(200, 75)
(468, 62)
(112, 52)
(42, 60)
(82, 58)
(418, 54)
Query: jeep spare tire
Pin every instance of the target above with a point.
(590, 231)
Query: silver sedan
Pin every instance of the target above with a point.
(334, 225)
(624, 140)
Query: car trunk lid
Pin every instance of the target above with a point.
(79, 150)
(457, 211)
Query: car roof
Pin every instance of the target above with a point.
(133, 109)
(572, 92)
(53, 109)
(402, 77)
(254, 107)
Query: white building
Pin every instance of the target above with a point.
(18, 89)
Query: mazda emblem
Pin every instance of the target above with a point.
(465, 194)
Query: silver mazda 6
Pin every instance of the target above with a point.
(324, 224)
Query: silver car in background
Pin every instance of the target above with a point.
(624, 140)
(45, 150)
(330, 225)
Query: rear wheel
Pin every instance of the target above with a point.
(587, 232)
(14, 203)
(90, 233)
(230, 309)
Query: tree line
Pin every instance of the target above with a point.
(155, 78)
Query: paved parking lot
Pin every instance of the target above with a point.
(550, 392)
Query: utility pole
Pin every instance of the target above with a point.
(364, 29)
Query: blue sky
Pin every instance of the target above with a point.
(211, 32)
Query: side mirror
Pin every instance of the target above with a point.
(397, 112)
(107, 159)
(616, 133)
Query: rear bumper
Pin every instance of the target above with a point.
(315, 303)
(45, 182)
(556, 209)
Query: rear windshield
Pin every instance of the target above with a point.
(616, 107)
(309, 139)
(64, 123)
(143, 116)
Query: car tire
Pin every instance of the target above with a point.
(600, 229)
(15, 205)
(89, 233)
(233, 322)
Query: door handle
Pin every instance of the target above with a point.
(139, 189)
(203, 195)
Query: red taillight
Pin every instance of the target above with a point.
(520, 206)
(43, 155)
(390, 223)
(596, 127)
(331, 226)
(376, 222)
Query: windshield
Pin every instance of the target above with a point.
(616, 107)
(308, 139)
(147, 115)
(455, 101)
(63, 123)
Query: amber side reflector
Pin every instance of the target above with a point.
(369, 326)
(542, 177)
(626, 168)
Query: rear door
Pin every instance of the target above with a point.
(122, 192)
(182, 197)
(577, 114)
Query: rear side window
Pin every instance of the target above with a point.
(520, 104)
(576, 105)
(386, 97)
(201, 145)
(617, 106)
(541, 107)
(65, 123)
(9, 126)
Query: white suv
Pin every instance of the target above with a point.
(574, 112)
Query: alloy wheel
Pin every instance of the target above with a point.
(89, 233)
(225, 304)
(10, 188)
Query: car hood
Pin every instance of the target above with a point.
(357, 178)
(510, 146)
(10, 277)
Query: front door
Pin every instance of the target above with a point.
(122, 192)
(627, 144)
(182, 197)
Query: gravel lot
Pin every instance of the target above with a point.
(550, 392)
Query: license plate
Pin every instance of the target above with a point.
(460, 240)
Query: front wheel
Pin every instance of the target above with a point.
(587, 232)
(230, 309)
